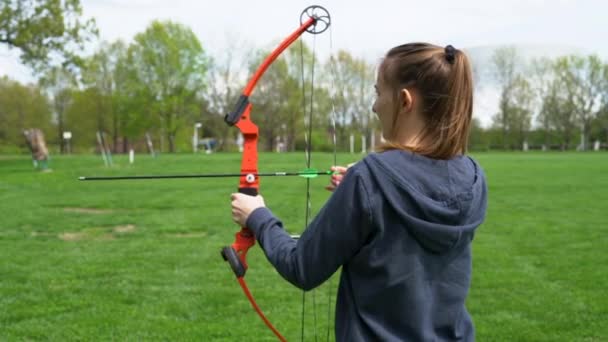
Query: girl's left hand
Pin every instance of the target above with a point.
(243, 205)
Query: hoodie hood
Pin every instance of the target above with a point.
(440, 202)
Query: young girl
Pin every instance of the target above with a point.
(401, 221)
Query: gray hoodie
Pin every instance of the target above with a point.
(401, 227)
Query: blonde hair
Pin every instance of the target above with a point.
(443, 78)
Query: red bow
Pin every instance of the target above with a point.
(314, 19)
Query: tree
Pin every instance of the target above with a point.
(59, 83)
(130, 100)
(558, 110)
(290, 101)
(506, 62)
(21, 107)
(353, 93)
(81, 118)
(225, 79)
(477, 138)
(45, 30)
(583, 78)
(520, 109)
(104, 73)
(170, 64)
(278, 99)
(542, 76)
(601, 119)
(308, 114)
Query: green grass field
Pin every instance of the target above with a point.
(139, 260)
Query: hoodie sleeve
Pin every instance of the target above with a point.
(336, 234)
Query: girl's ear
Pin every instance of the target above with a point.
(407, 101)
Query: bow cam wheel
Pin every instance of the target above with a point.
(321, 16)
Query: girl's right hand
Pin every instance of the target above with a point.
(336, 178)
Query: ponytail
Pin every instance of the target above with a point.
(443, 78)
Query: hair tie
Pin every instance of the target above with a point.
(450, 53)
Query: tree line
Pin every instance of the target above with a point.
(559, 103)
(163, 83)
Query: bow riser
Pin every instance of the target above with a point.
(249, 182)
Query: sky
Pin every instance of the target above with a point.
(364, 28)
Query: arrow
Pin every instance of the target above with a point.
(306, 173)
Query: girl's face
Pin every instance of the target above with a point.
(384, 106)
(399, 116)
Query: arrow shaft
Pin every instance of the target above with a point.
(210, 175)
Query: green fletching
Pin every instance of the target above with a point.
(313, 173)
(309, 173)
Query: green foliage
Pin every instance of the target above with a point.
(45, 30)
(516, 99)
(352, 82)
(321, 141)
(582, 81)
(169, 65)
(566, 95)
(59, 83)
(478, 140)
(140, 259)
(82, 119)
(22, 107)
(118, 105)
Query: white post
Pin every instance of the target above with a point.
(107, 148)
(583, 147)
(102, 149)
(525, 147)
(194, 142)
(150, 145)
(596, 145)
(131, 156)
(208, 146)
(67, 136)
(195, 136)
(352, 144)
(373, 140)
(363, 144)
(240, 141)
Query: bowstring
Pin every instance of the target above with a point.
(308, 154)
(308, 141)
(335, 159)
(308, 160)
(305, 138)
(308, 157)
